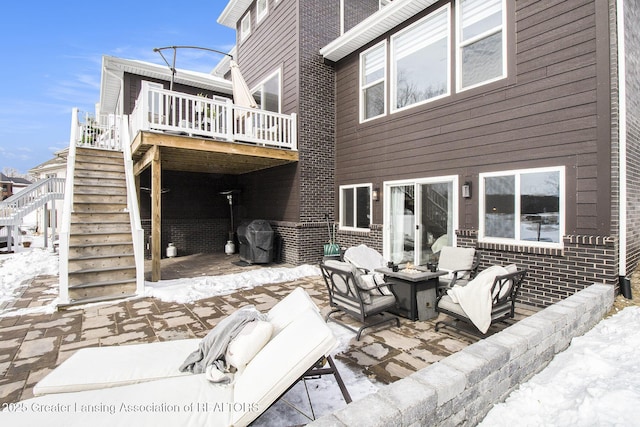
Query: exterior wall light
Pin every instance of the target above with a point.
(466, 190)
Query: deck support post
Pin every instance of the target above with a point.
(156, 217)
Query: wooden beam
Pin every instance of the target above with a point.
(156, 217)
(144, 162)
(213, 146)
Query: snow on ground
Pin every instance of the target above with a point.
(189, 290)
(595, 382)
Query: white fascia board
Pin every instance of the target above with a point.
(113, 70)
(390, 16)
(232, 13)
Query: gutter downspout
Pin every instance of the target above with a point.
(622, 136)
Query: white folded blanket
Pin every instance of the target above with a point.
(475, 296)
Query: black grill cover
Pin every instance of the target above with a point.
(256, 242)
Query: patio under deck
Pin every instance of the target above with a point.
(164, 150)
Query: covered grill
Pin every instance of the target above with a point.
(256, 242)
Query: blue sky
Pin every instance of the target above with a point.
(51, 58)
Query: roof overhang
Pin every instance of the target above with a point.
(224, 66)
(381, 22)
(233, 12)
(113, 70)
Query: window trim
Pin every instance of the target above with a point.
(517, 241)
(265, 11)
(369, 186)
(245, 31)
(260, 86)
(460, 44)
(384, 80)
(393, 72)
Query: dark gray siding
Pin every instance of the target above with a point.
(547, 113)
(272, 45)
(290, 37)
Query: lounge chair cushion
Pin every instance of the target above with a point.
(285, 311)
(191, 399)
(281, 362)
(161, 359)
(84, 370)
(253, 336)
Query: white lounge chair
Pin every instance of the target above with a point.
(85, 390)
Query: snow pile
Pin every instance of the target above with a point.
(595, 382)
(192, 289)
(19, 267)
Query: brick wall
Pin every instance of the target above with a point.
(319, 24)
(553, 274)
(632, 45)
(190, 236)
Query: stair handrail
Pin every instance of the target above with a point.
(67, 209)
(132, 205)
(14, 208)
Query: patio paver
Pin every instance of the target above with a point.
(33, 345)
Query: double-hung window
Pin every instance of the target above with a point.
(373, 77)
(523, 207)
(245, 26)
(355, 206)
(420, 61)
(481, 42)
(262, 9)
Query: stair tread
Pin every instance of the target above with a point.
(105, 283)
(90, 257)
(80, 301)
(103, 270)
(85, 245)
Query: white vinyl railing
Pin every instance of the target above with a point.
(163, 110)
(102, 132)
(137, 232)
(14, 208)
(65, 226)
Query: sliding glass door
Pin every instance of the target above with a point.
(420, 218)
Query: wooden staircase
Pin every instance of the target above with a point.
(101, 257)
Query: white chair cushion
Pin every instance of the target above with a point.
(454, 258)
(253, 336)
